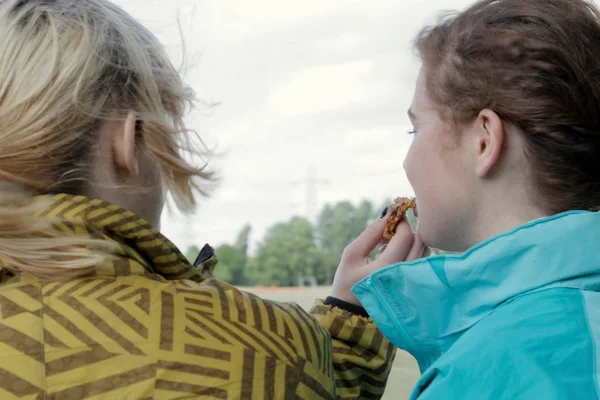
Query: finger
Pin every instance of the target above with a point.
(399, 245)
(416, 250)
(363, 245)
(427, 252)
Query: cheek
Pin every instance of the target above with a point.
(415, 165)
(443, 207)
(409, 162)
(425, 173)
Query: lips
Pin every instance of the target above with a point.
(416, 212)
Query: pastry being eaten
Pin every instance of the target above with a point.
(396, 212)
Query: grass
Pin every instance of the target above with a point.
(405, 372)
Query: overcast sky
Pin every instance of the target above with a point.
(322, 84)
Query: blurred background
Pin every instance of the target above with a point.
(304, 106)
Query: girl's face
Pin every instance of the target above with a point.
(439, 168)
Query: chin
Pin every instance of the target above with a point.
(427, 240)
(439, 241)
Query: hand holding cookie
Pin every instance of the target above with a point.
(402, 245)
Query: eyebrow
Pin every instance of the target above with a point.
(411, 115)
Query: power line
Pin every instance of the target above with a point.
(276, 184)
(311, 183)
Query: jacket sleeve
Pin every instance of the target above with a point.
(362, 356)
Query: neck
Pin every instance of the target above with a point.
(501, 211)
(504, 198)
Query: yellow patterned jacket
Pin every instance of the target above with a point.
(151, 326)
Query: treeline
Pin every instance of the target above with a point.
(295, 249)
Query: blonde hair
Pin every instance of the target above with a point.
(68, 66)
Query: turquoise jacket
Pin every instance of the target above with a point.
(516, 317)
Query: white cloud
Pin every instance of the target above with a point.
(247, 13)
(359, 139)
(345, 42)
(321, 89)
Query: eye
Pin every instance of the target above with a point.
(413, 131)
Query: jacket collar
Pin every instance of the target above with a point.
(425, 305)
(141, 249)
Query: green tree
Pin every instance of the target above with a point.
(287, 252)
(230, 267)
(192, 253)
(241, 245)
(233, 259)
(243, 239)
(337, 226)
(364, 214)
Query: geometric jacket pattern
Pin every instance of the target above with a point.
(146, 324)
